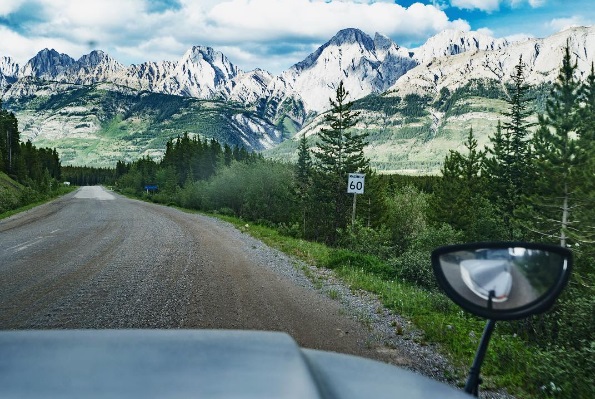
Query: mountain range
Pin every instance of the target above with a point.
(95, 110)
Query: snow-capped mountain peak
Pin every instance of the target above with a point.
(453, 42)
(366, 65)
(353, 57)
(203, 72)
(383, 42)
(352, 36)
(94, 67)
(542, 59)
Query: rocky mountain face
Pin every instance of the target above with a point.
(453, 42)
(461, 82)
(364, 64)
(9, 69)
(496, 60)
(284, 104)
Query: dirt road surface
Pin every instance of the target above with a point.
(94, 259)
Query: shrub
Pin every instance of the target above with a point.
(415, 267)
(367, 240)
(565, 373)
(406, 215)
(8, 201)
(414, 264)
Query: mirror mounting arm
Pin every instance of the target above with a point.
(473, 381)
(490, 299)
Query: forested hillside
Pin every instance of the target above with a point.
(413, 133)
(27, 173)
(97, 126)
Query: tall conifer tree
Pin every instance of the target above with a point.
(340, 152)
(509, 165)
(460, 198)
(586, 213)
(304, 179)
(559, 160)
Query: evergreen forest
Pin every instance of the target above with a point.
(27, 174)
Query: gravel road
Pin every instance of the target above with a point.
(94, 259)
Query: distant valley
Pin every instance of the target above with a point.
(416, 104)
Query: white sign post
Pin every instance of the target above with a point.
(355, 186)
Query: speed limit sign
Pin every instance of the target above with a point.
(355, 184)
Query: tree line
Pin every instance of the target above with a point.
(38, 170)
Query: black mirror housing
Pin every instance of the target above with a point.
(502, 280)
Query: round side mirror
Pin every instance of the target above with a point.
(502, 281)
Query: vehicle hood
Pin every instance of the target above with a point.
(193, 363)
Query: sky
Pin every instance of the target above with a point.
(267, 34)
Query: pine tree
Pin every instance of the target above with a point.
(508, 166)
(459, 184)
(340, 152)
(304, 164)
(559, 160)
(304, 179)
(586, 214)
(459, 199)
(587, 112)
(9, 142)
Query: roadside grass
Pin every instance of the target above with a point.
(509, 360)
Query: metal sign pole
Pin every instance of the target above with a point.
(353, 212)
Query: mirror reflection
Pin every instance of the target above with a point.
(502, 278)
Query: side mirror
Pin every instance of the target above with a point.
(502, 281)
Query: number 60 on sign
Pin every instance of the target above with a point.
(355, 184)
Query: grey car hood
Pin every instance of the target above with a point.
(193, 364)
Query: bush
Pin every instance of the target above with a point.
(415, 267)
(414, 264)
(192, 196)
(406, 215)
(565, 373)
(8, 201)
(367, 240)
(294, 230)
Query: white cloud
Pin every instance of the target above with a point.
(155, 49)
(21, 48)
(262, 33)
(486, 31)
(322, 19)
(536, 3)
(560, 24)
